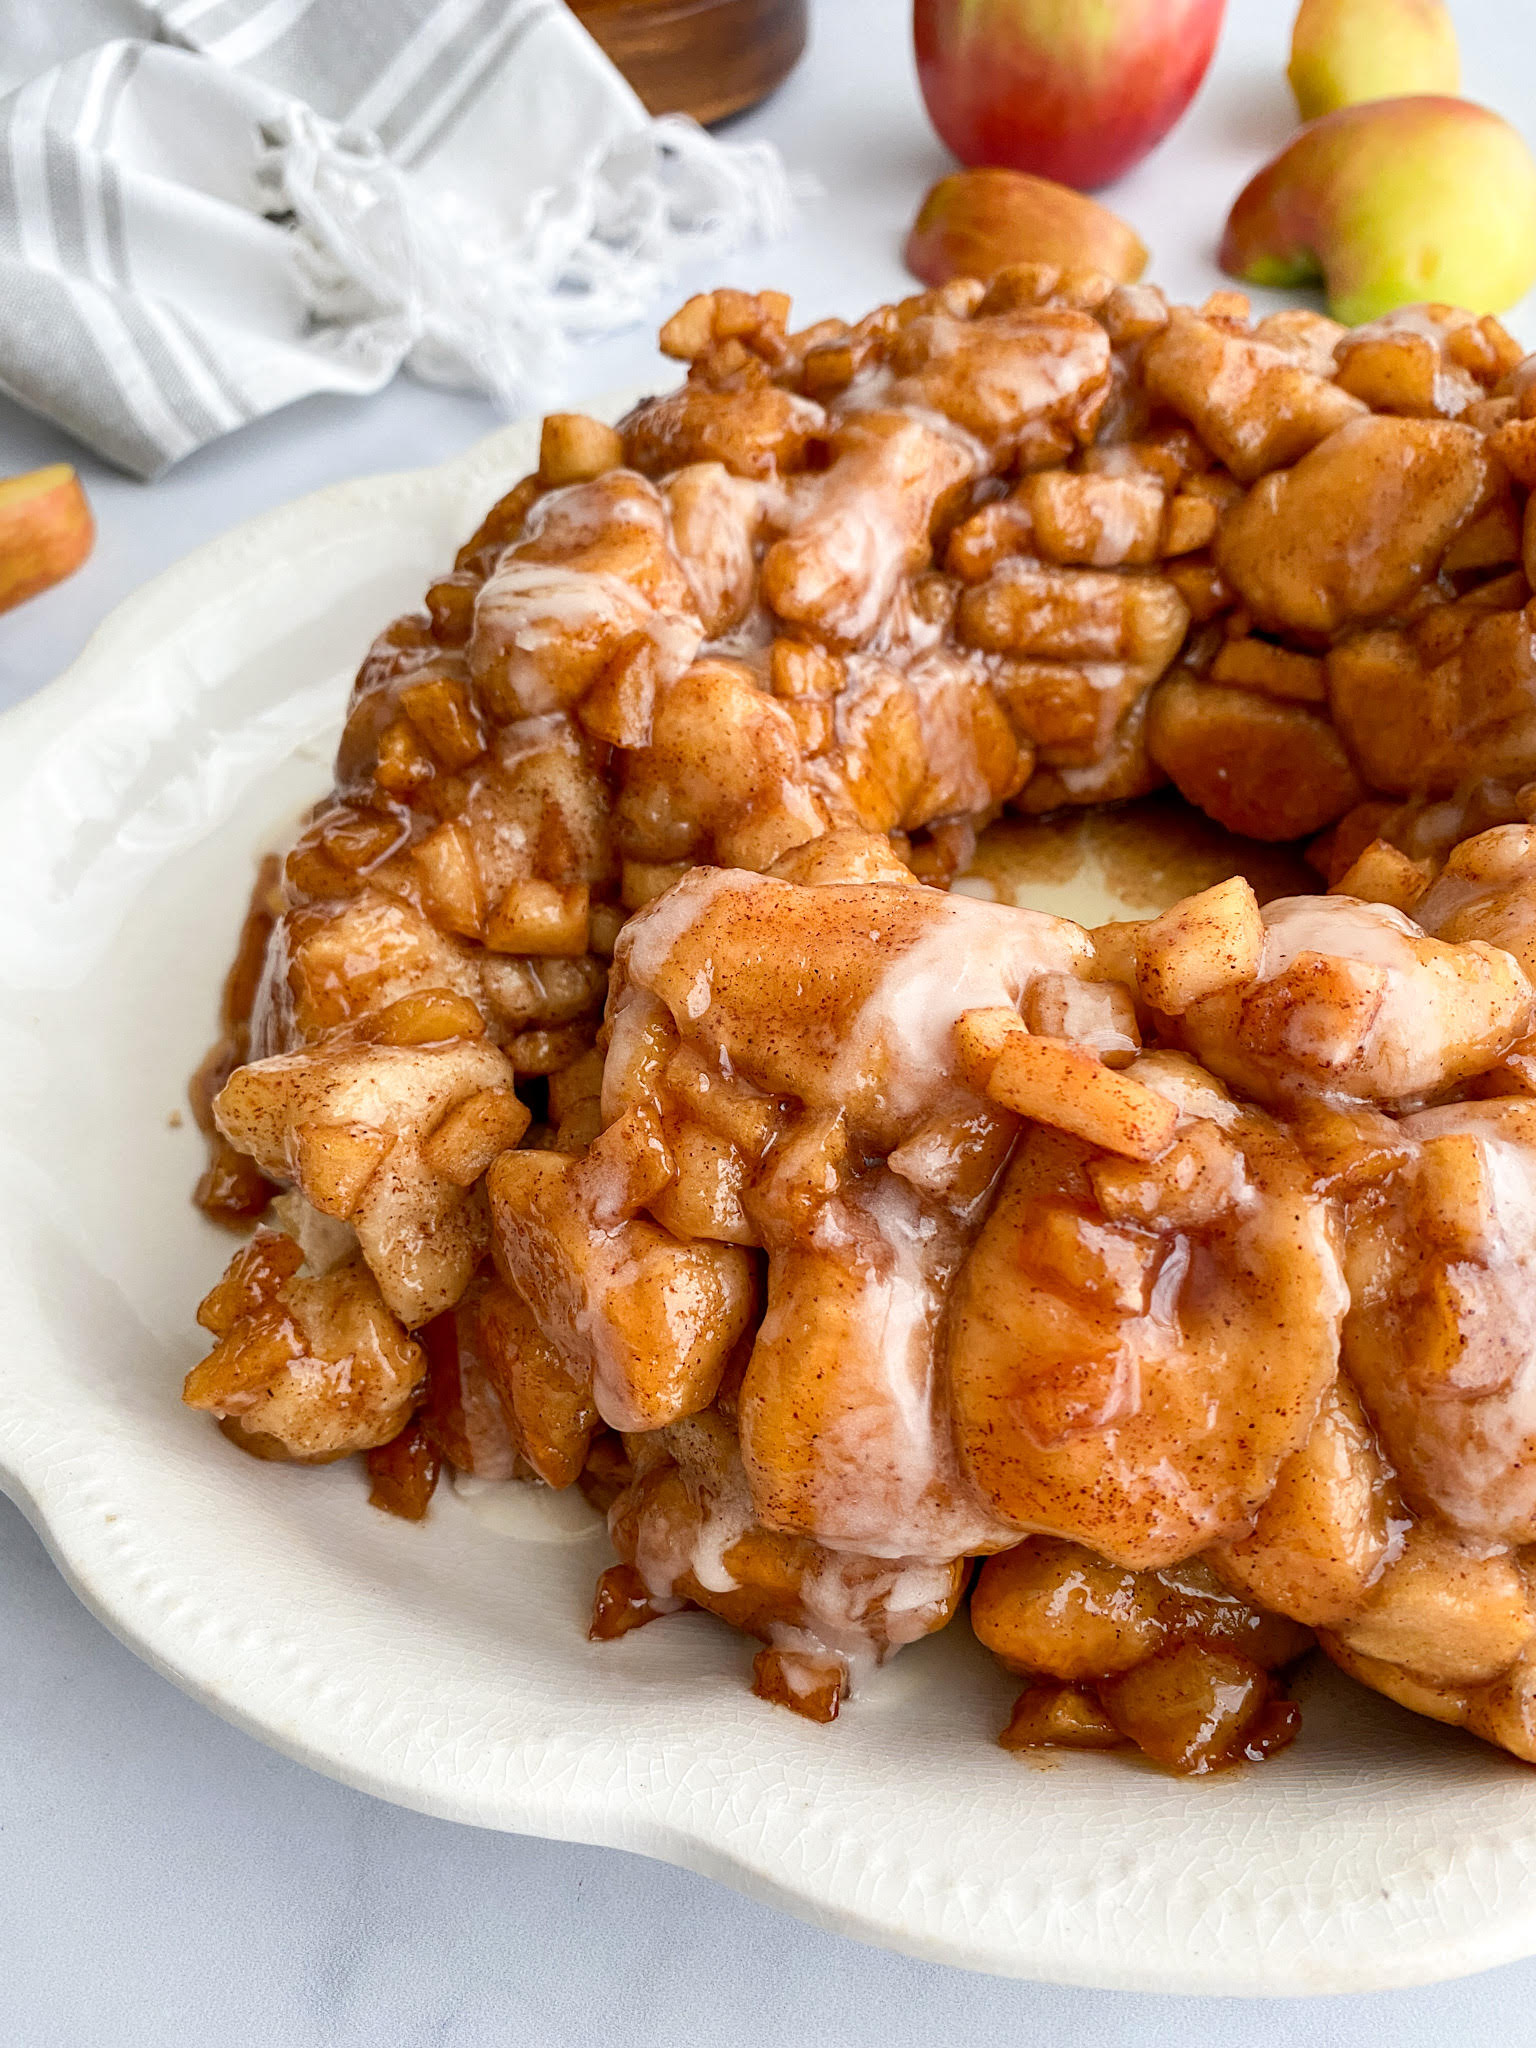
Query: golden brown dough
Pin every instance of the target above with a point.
(1137, 1349)
(1354, 1000)
(1357, 526)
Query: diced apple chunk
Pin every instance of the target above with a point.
(1207, 943)
(547, 919)
(456, 897)
(1068, 1088)
(431, 1016)
(1384, 874)
(472, 1134)
(573, 449)
(627, 1166)
(335, 1163)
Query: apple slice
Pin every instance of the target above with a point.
(1390, 203)
(46, 531)
(976, 223)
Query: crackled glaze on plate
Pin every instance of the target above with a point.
(446, 1666)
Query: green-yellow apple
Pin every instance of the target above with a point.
(46, 531)
(1072, 89)
(1391, 202)
(975, 223)
(1345, 51)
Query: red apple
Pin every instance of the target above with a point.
(1076, 90)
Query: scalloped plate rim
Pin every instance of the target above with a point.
(43, 1449)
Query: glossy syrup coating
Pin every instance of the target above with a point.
(1173, 1661)
(623, 1078)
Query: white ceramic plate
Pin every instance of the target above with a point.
(446, 1666)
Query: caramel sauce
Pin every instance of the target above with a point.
(1129, 860)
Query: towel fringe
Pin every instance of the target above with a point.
(387, 268)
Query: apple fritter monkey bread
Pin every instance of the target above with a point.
(627, 1101)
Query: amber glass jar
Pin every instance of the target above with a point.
(708, 58)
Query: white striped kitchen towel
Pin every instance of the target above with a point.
(225, 205)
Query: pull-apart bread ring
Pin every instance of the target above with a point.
(628, 1102)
